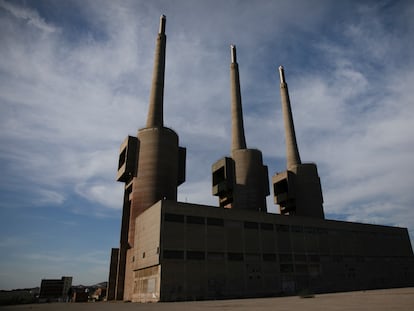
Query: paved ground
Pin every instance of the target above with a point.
(377, 300)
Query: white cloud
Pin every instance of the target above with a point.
(28, 16)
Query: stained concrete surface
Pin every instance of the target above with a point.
(401, 299)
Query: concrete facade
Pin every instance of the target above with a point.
(195, 252)
(172, 251)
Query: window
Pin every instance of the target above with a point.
(269, 257)
(122, 158)
(215, 256)
(251, 225)
(219, 176)
(173, 254)
(195, 220)
(282, 228)
(266, 226)
(233, 223)
(300, 257)
(215, 222)
(297, 229)
(173, 217)
(235, 256)
(194, 255)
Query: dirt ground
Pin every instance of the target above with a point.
(401, 299)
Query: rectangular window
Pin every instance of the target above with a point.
(233, 223)
(297, 229)
(235, 256)
(314, 258)
(195, 220)
(122, 158)
(266, 226)
(285, 257)
(215, 222)
(219, 176)
(282, 228)
(252, 257)
(300, 257)
(302, 269)
(310, 230)
(193, 255)
(173, 254)
(173, 218)
(215, 256)
(269, 257)
(251, 225)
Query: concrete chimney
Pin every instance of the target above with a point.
(152, 166)
(238, 138)
(155, 112)
(241, 181)
(292, 151)
(297, 190)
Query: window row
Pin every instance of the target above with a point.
(233, 256)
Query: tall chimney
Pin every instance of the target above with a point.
(240, 181)
(292, 151)
(238, 138)
(155, 112)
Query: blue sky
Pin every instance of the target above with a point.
(75, 79)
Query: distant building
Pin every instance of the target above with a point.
(173, 251)
(80, 296)
(55, 289)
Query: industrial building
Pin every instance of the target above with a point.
(55, 289)
(172, 251)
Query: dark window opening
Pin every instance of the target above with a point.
(266, 226)
(122, 158)
(173, 217)
(300, 257)
(215, 256)
(281, 186)
(195, 220)
(297, 229)
(172, 254)
(285, 257)
(269, 257)
(215, 222)
(193, 255)
(235, 256)
(251, 225)
(282, 228)
(219, 176)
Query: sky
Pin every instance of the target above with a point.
(75, 81)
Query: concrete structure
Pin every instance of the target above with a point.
(55, 289)
(193, 252)
(297, 190)
(240, 181)
(152, 166)
(173, 251)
